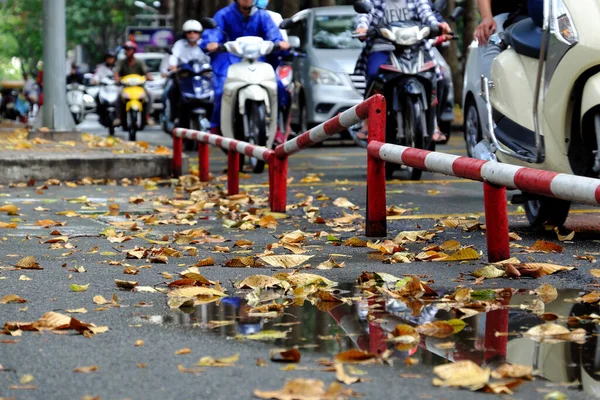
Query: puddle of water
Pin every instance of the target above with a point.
(488, 339)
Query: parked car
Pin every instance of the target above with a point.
(324, 65)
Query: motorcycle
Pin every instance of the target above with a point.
(541, 106)
(10, 94)
(75, 101)
(249, 106)
(196, 97)
(108, 95)
(407, 85)
(133, 97)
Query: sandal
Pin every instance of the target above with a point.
(439, 136)
(362, 134)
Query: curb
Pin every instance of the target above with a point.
(41, 166)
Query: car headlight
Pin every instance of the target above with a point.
(321, 76)
(561, 24)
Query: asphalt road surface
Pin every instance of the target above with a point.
(136, 358)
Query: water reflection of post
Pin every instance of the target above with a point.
(345, 317)
(496, 321)
(377, 335)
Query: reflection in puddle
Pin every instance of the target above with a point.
(488, 339)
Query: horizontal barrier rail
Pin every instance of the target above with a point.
(497, 177)
(373, 108)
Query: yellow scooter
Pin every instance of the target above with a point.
(133, 96)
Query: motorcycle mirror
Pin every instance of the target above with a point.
(439, 5)
(362, 7)
(457, 13)
(208, 23)
(294, 42)
(286, 23)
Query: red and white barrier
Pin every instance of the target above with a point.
(372, 108)
(496, 177)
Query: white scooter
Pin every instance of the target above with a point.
(249, 106)
(541, 107)
(77, 100)
(108, 95)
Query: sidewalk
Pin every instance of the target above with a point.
(25, 156)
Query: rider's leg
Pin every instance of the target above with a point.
(488, 53)
(215, 120)
(374, 60)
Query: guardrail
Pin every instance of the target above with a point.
(496, 178)
(372, 109)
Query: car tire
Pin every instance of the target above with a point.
(472, 127)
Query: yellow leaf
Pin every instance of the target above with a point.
(196, 291)
(547, 293)
(329, 264)
(12, 298)
(79, 288)
(286, 261)
(488, 272)
(139, 343)
(462, 255)
(553, 333)
(10, 209)
(77, 311)
(219, 362)
(28, 263)
(355, 242)
(86, 370)
(8, 226)
(266, 335)
(100, 300)
(25, 379)
(185, 350)
(461, 374)
(258, 281)
(450, 245)
(162, 150)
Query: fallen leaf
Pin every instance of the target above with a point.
(547, 293)
(7, 225)
(194, 370)
(411, 361)
(46, 223)
(28, 263)
(489, 272)
(77, 311)
(438, 329)
(285, 355)
(461, 374)
(546, 247)
(513, 371)
(79, 288)
(185, 350)
(329, 264)
(221, 249)
(258, 281)
(12, 298)
(268, 221)
(125, 284)
(27, 378)
(219, 362)
(86, 370)
(405, 337)
(244, 244)
(591, 297)
(344, 203)
(207, 262)
(355, 242)
(461, 255)
(341, 375)
(139, 343)
(450, 245)
(355, 356)
(100, 300)
(553, 333)
(307, 389)
(266, 335)
(514, 236)
(562, 237)
(24, 278)
(286, 261)
(241, 262)
(537, 270)
(10, 209)
(595, 272)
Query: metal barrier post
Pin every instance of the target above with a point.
(278, 168)
(376, 201)
(233, 172)
(496, 222)
(203, 169)
(177, 155)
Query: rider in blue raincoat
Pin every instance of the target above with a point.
(241, 18)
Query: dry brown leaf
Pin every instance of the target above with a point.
(293, 237)
(355, 356)
(125, 284)
(139, 343)
(218, 362)
(405, 337)
(194, 274)
(63, 239)
(196, 291)
(28, 263)
(553, 333)
(258, 281)
(438, 329)
(10, 209)
(450, 245)
(285, 355)
(221, 249)
(100, 300)
(12, 298)
(413, 236)
(461, 374)
(331, 263)
(295, 248)
(268, 221)
(564, 238)
(547, 293)
(546, 247)
(344, 203)
(591, 297)
(286, 261)
(537, 270)
(207, 262)
(595, 272)
(185, 350)
(489, 272)
(86, 370)
(193, 370)
(355, 242)
(8, 225)
(307, 389)
(513, 371)
(514, 236)
(461, 255)
(244, 244)
(341, 375)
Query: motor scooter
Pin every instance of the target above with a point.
(134, 102)
(541, 106)
(108, 95)
(75, 101)
(407, 85)
(194, 81)
(249, 108)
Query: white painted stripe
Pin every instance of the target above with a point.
(575, 188)
(317, 134)
(177, 132)
(349, 117)
(291, 146)
(499, 174)
(440, 162)
(259, 152)
(212, 139)
(392, 153)
(241, 147)
(225, 143)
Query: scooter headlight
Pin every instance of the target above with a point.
(88, 99)
(561, 23)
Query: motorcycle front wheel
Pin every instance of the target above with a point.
(257, 131)
(133, 117)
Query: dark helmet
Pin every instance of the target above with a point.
(110, 53)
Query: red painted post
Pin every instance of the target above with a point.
(233, 172)
(496, 222)
(177, 155)
(376, 211)
(203, 169)
(278, 183)
(496, 330)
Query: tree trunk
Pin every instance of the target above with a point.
(452, 57)
(195, 9)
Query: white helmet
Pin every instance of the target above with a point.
(192, 25)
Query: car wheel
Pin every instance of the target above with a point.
(472, 127)
(546, 211)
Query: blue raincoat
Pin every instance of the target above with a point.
(232, 25)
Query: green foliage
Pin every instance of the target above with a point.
(94, 24)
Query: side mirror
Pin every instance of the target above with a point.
(440, 5)
(294, 42)
(286, 23)
(362, 7)
(208, 23)
(457, 13)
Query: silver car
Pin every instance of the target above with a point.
(324, 64)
